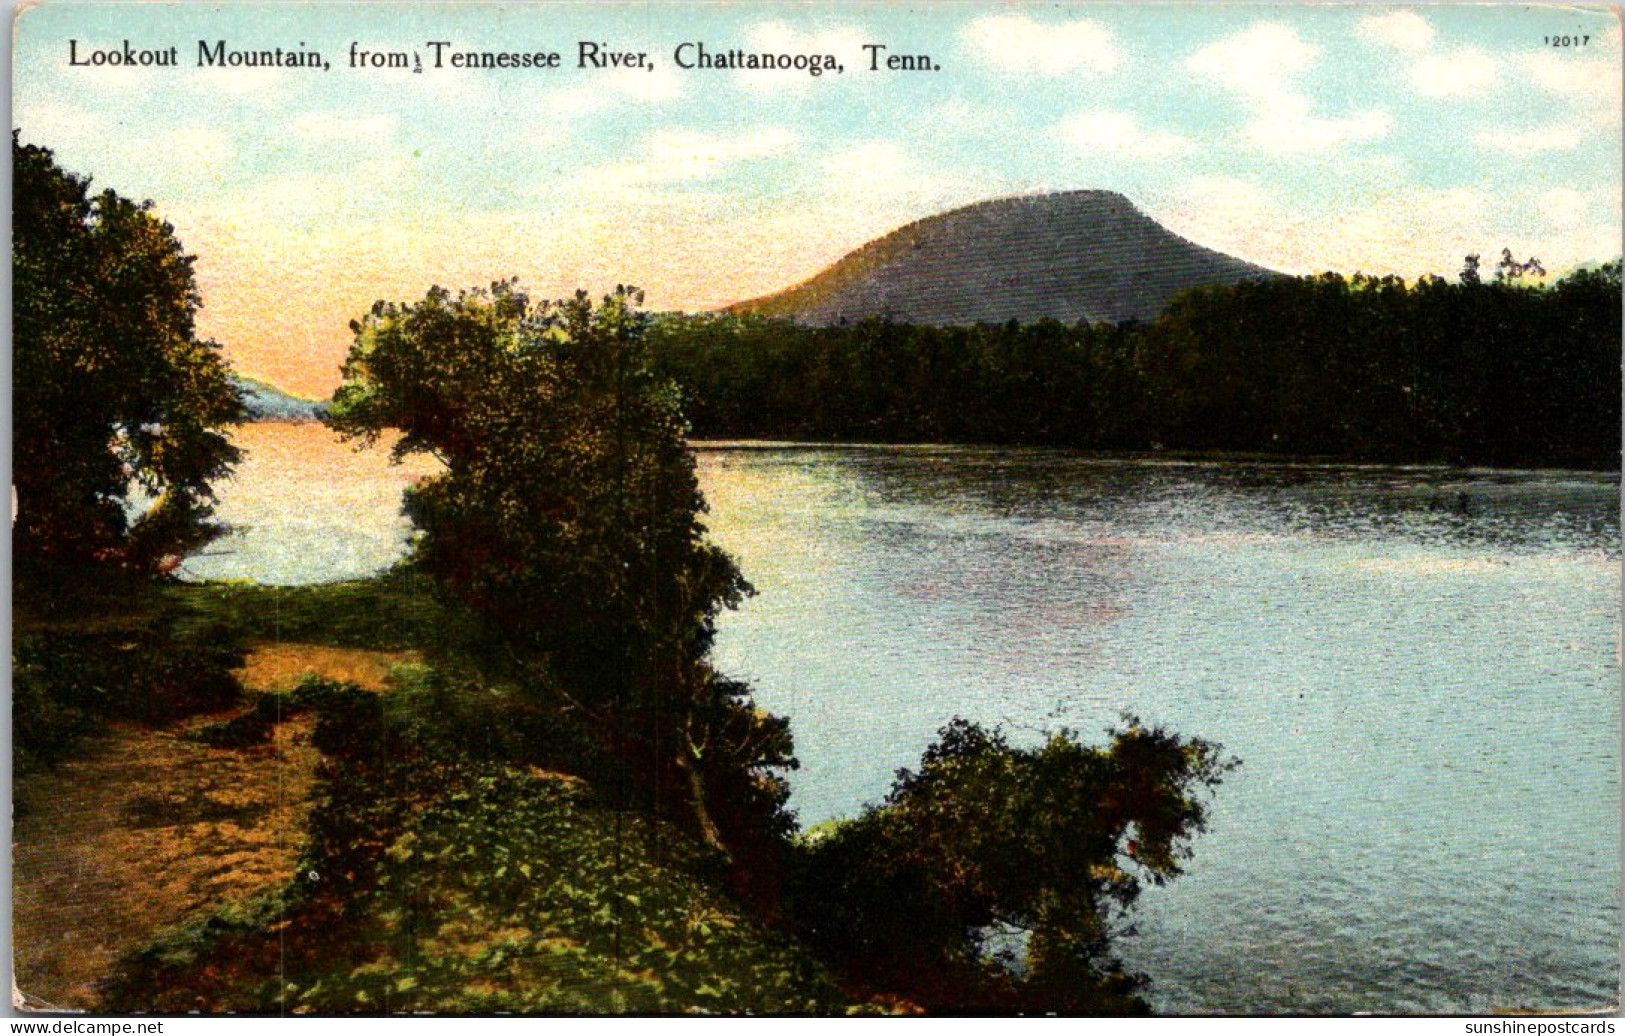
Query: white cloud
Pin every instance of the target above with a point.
(313, 200)
(1402, 30)
(1284, 125)
(1400, 223)
(1457, 73)
(57, 123)
(957, 114)
(1120, 134)
(1591, 85)
(1261, 65)
(1258, 62)
(1565, 208)
(1233, 215)
(685, 155)
(1554, 136)
(880, 162)
(1017, 43)
(207, 150)
(884, 177)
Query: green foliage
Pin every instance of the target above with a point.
(750, 377)
(1500, 373)
(1503, 372)
(1051, 844)
(393, 611)
(568, 514)
(455, 863)
(113, 396)
(568, 519)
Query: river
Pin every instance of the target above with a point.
(1419, 668)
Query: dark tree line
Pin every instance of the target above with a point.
(1485, 372)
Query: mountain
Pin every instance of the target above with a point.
(269, 403)
(1076, 255)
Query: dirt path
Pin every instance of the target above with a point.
(146, 829)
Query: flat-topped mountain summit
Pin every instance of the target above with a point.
(1075, 255)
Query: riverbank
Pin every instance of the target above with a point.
(373, 828)
(1501, 374)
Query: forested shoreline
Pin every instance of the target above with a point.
(1498, 372)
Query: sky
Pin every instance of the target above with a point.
(1303, 138)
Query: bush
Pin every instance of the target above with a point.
(1048, 845)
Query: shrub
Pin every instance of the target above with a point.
(1048, 846)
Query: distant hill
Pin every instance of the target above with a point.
(1077, 255)
(269, 403)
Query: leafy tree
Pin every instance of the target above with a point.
(1510, 271)
(113, 394)
(569, 510)
(1470, 270)
(568, 517)
(1051, 844)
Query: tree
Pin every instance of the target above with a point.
(1510, 271)
(568, 513)
(114, 396)
(568, 516)
(1469, 270)
(1050, 844)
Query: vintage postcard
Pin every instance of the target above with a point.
(816, 508)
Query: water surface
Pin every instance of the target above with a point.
(1418, 666)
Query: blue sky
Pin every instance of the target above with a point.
(1384, 139)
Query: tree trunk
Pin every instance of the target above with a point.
(702, 814)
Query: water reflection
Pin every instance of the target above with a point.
(306, 508)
